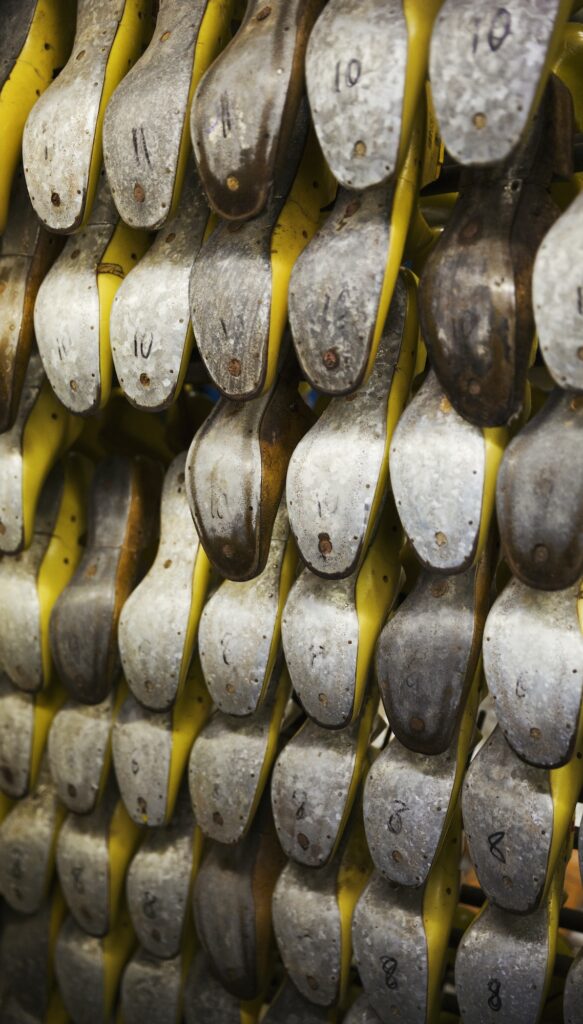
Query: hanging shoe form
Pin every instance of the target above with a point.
(240, 331)
(145, 139)
(232, 907)
(62, 143)
(25, 719)
(150, 329)
(72, 309)
(400, 937)
(244, 109)
(207, 1002)
(159, 881)
(41, 433)
(290, 1007)
(443, 475)
(572, 1002)
(361, 1012)
(156, 662)
(427, 655)
(337, 475)
(28, 837)
(488, 69)
(31, 582)
(366, 67)
(312, 916)
(153, 989)
(26, 961)
(314, 785)
(79, 749)
(123, 520)
(26, 253)
(533, 658)
(411, 799)
(539, 496)
(37, 36)
(330, 627)
(516, 818)
(240, 628)
(481, 339)
(235, 474)
(151, 749)
(89, 969)
(231, 762)
(93, 854)
(504, 962)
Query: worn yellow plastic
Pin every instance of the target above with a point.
(354, 871)
(201, 578)
(286, 578)
(360, 764)
(565, 785)
(117, 947)
(439, 904)
(124, 837)
(273, 735)
(420, 16)
(189, 715)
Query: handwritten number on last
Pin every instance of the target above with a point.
(500, 29)
(494, 840)
(494, 1002)
(389, 966)
(351, 74)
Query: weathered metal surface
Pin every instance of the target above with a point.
(241, 134)
(438, 469)
(12, 459)
(17, 725)
(67, 314)
(25, 958)
(572, 1001)
(337, 473)
(205, 999)
(361, 1012)
(235, 475)
(155, 662)
(533, 661)
(230, 764)
(150, 328)
(152, 989)
(290, 1007)
(159, 880)
(508, 821)
(62, 136)
(79, 751)
(313, 788)
(557, 296)
(20, 602)
(26, 253)
(27, 846)
(427, 655)
(144, 134)
(486, 68)
(88, 970)
(232, 906)
(123, 521)
(539, 496)
(501, 967)
(239, 632)
(480, 343)
(17, 16)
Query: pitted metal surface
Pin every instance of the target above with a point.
(142, 754)
(79, 751)
(556, 296)
(63, 129)
(239, 628)
(27, 846)
(361, 1012)
(11, 462)
(508, 821)
(67, 311)
(572, 1002)
(241, 134)
(142, 131)
(290, 1007)
(539, 496)
(150, 318)
(334, 471)
(427, 655)
(87, 976)
(533, 661)
(333, 296)
(25, 954)
(235, 475)
(320, 639)
(154, 661)
(151, 988)
(313, 786)
(158, 882)
(17, 17)
(232, 906)
(438, 466)
(17, 726)
(20, 607)
(390, 949)
(230, 765)
(356, 93)
(501, 965)
(205, 999)
(486, 68)
(123, 523)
